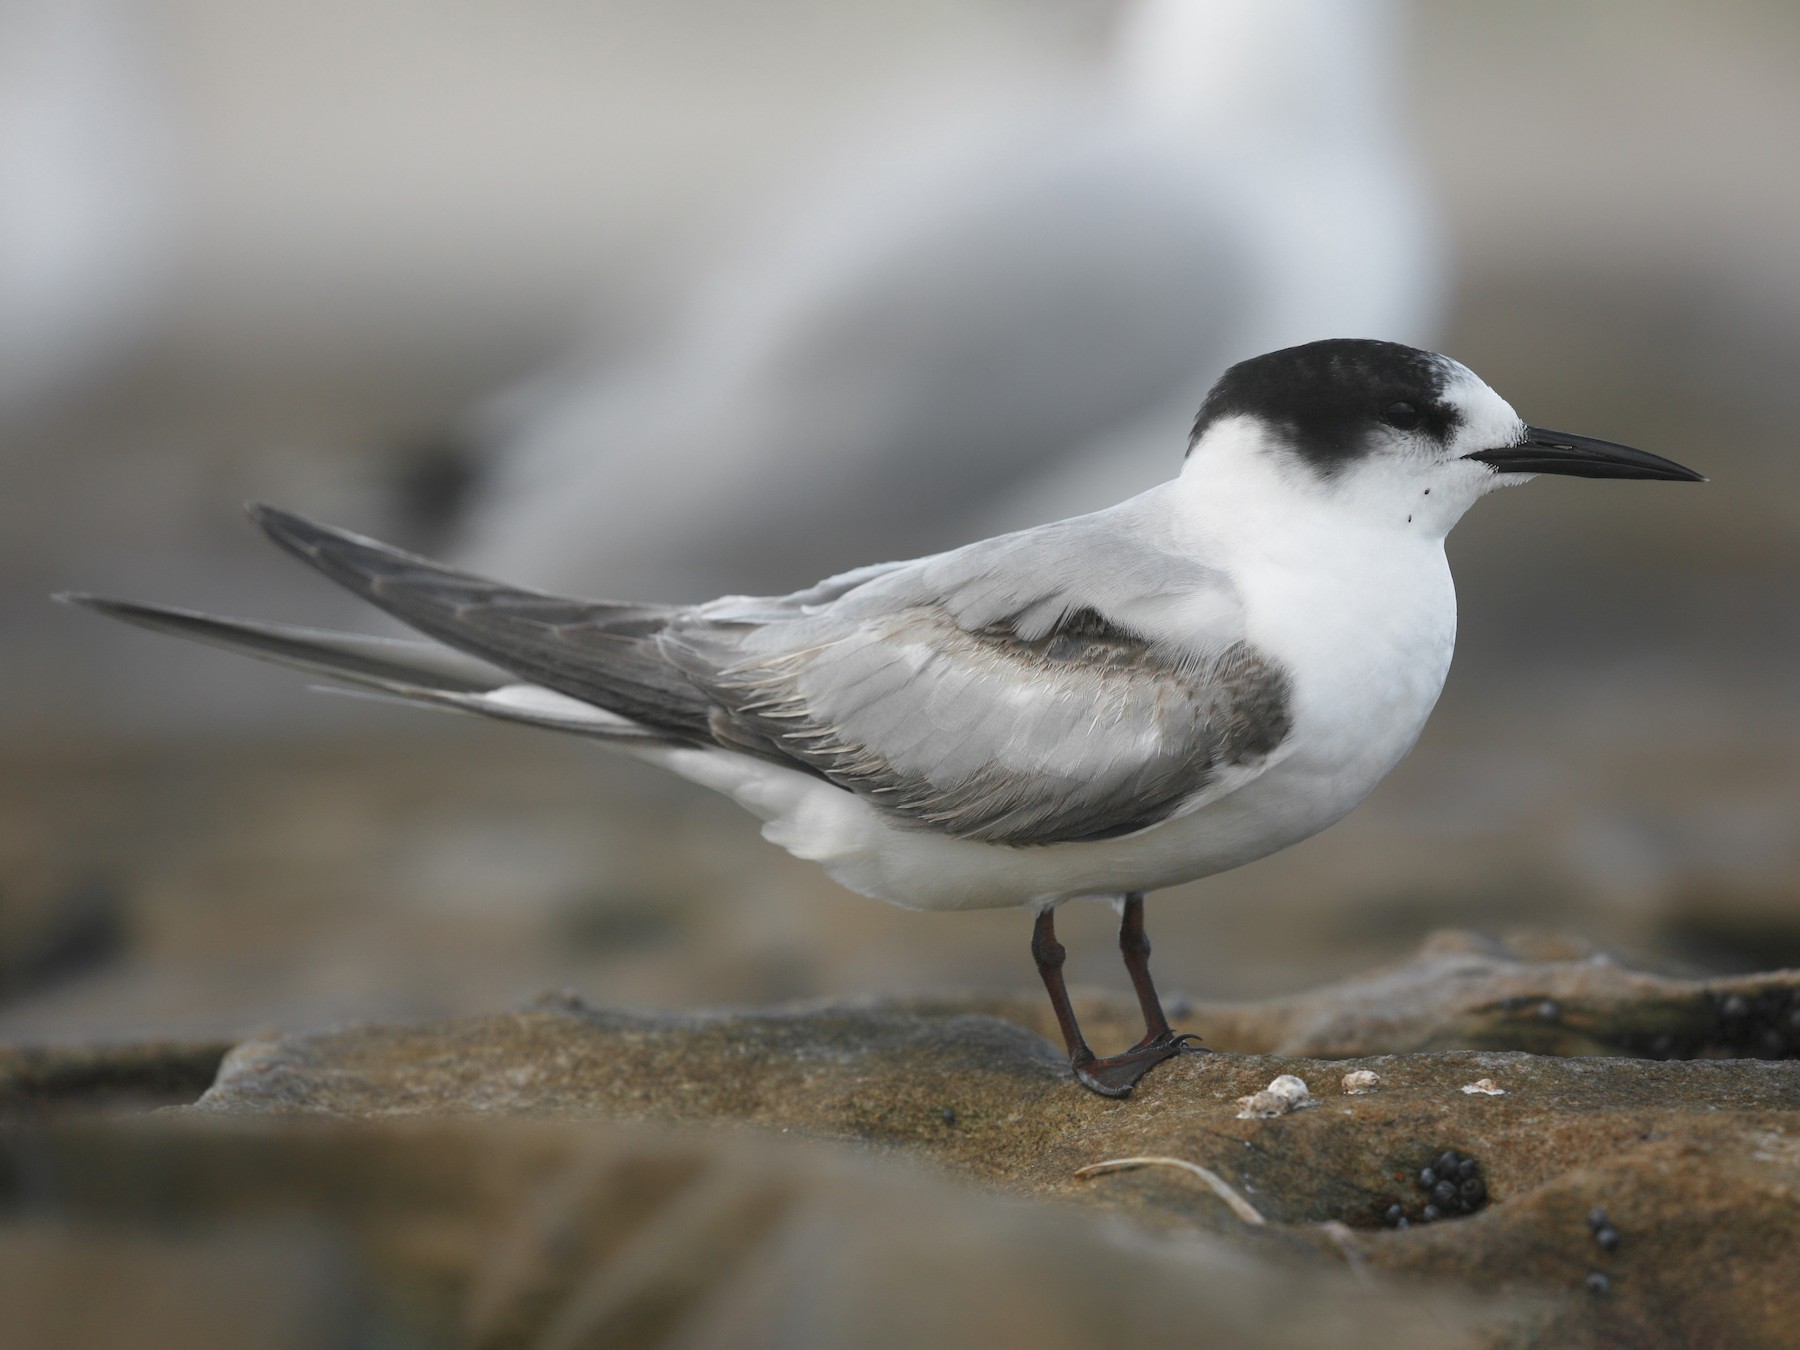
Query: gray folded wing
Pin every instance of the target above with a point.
(1019, 691)
(1077, 681)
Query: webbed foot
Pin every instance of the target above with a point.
(1116, 1075)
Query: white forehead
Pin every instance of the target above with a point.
(1487, 419)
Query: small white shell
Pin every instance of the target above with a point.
(1484, 1087)
(1285, 1093)
(1360, 1081)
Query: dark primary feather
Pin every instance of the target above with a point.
(595, 651)
(338, 655)
(389, 668)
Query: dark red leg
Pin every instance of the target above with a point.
(1050, 955)
(1134, 946)
(1115, 1075)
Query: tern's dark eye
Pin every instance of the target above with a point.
(1404, 416)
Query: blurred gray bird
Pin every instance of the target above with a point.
(88, 211)
(1174, 686)
(1010, 334)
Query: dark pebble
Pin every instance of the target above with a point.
(1608, 1238)
(1453, 1185)
(1549, 1011)
(1597, 1218)
(1663, 1046)
(1771, 1044)
(948, 1115)
(1735, 1007)
(1395, 1216)
(1598, 1284)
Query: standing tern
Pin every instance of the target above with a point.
(1165, 689)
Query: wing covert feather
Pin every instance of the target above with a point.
(991, 693)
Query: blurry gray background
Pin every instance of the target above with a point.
(290, 253)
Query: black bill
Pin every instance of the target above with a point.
(1581, 457)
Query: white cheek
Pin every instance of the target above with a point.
(1435, 499)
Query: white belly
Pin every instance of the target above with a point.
(1367, 652)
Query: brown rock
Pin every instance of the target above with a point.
(1463, 992)
(522, 1200)
(90, 1077)
(1668, 1149)
(82, 1286)
(497, 1234)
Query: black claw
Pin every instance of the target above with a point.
(1180, 1043)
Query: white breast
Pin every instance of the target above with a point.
(1367, 639)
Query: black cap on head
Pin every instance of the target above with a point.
(1327, 397)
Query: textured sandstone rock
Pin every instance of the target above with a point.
(498, 1234)
(151, 1073)
(1464, 992)
(545, 1176)
(1697, 1162)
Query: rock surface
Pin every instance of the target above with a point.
(1697, 1163)
(154, 1073)
(531, 1234)
(1465, 992)
(555, 1175)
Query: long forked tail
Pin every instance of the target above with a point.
(583, 666)
(391, 668)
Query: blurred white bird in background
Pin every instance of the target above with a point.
(1046, 305)
(88, 200)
